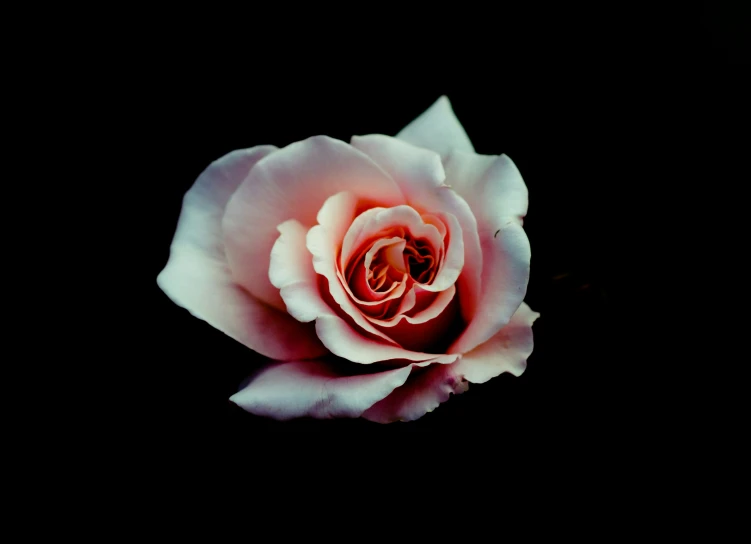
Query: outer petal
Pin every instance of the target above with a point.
(293, 183)
(495, 190)
(505, 275)
(421, 394)
(197, 276)
(437, 129)
(316, 389)
(507, 351)
(422, 179)
(492, 185)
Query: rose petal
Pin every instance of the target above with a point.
(453, 260)
(364, 296)
(370, 223)
(492, 185)
(438, 129)
(423, 392)
(439, 303)
(294, 183)
(315, 389)
(345, 342)
(498, 197)
(432, 329)
(505, 274)
(336, 216)
(197, 276)
(507, 351)
(360, 289)
(291, 271)
(323, 247)
(422, 179)
(297, 281)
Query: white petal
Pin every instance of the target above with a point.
(438, 129)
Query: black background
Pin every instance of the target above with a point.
(599, 112)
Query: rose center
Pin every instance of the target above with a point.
(386, 268)
(391, 262)
(419, 261)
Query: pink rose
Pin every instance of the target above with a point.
(380, 276)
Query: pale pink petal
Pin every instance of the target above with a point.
(204, 286)
(437, 222)
(371, 223)
(438, 129)
(423, 181)
(453, 259)
(291, 271)
(294, 183)
(492, 185)
(498, 197)
(419, 333)
(504, 279)
(345, 342)
(507, 351)
(423, 392)
(337, 213)
(375, 315)
(439, 303)
(197, 276)
(317, 389)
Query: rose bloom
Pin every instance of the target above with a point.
(377, 276)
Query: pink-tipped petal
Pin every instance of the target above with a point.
(197, 276)
(438, 129)
(317, 389)
(294, 183)
(423, 392)
(507, 351)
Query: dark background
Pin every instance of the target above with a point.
(601, 113)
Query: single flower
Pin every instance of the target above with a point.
(377, 276)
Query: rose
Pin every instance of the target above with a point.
(379, 276)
